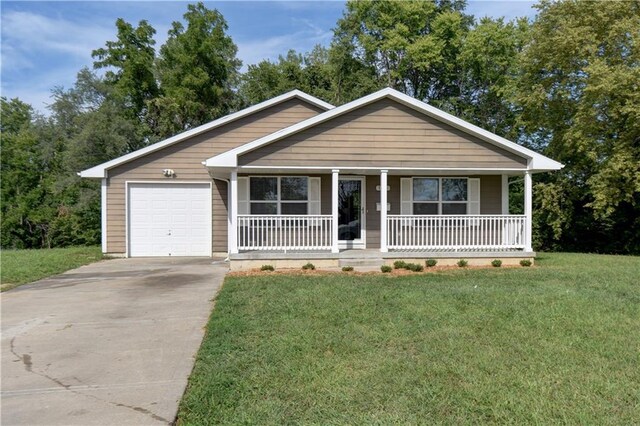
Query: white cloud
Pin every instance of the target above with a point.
(41, 52)
(253, 51)
(27, 33)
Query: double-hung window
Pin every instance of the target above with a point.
(433, 196)
(279, 195)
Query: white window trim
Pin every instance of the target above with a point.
(279, 199)
(440, 201)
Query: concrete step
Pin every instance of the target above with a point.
(361, 262)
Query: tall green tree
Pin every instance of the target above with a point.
(89, 116)
(579, 98)
(267, 79)
(198, 70)
(328, 73)
(412, 45)
(30, 165)
(488, 63)
(129, 61)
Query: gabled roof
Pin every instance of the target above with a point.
(536, 161)
(100, 171)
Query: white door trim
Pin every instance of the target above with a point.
(150, 182)
(362, 242)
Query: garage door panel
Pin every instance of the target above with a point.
(169, 219)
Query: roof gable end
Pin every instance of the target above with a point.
(536, 161)
(100, 171)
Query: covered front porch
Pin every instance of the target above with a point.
(344, 221)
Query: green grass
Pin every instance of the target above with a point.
(25, 266)
(556, 343)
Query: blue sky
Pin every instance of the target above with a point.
(44, 44)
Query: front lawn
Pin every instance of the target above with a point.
(25, 266)
(555, 343)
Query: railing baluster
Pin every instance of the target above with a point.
(420, 232)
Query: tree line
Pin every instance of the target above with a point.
(564, 83)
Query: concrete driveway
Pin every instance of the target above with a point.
(108, 343)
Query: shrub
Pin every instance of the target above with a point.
(386, 268)
(496, 263)
(400, 264)
(309, 266)
(462, 263)
(347, 268)
(431, 263)
(266, 268)
(415, 267)
(525, 262)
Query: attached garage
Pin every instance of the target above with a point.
(169, 219)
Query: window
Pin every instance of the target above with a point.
(279, 195)
(433, 196)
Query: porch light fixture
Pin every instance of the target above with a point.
(168, 173)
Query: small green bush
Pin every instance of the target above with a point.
(415, 267)
(267, 268)
(431, 263)
(386, 268)
(496, 263)
(462, 263)
(308, 267)
(399, 264)
(525, 262)
(347, 268)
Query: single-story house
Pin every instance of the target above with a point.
(295, 179)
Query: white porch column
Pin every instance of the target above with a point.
(383, 211)
(528, 191)
(505, 194)
(334, 211)
(232, 204)
(103, 214)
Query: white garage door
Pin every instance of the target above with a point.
(169, 219)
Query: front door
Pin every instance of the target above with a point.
(351, 204)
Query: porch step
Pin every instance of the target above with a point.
(361, 262)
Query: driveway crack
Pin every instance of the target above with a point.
(28, 366)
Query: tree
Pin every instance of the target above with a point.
(130, 66)
(197, 69)
(328, 74)
(412, 45)
(29, 164)
(90, 117)
(579, 97)
(267, 79)
(488, 62)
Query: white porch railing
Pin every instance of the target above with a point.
(273, 232)
(456, 232)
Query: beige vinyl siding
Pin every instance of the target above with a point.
(186, 158)
(383, 134)
(490, 194)
(219, 211)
